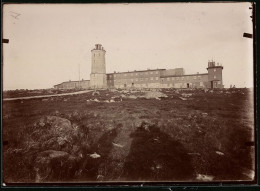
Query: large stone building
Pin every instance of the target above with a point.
(83, 84)
(157, 78)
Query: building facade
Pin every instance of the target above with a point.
(83, 84)
(173, 78)
(156, 78)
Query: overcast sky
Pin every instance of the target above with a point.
(48, 42)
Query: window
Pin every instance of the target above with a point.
(219, 82)
(151, 78)
(195, 77)
(136, 74)
(168, 79)
(214, 77)
(214, 70)
(156, 78)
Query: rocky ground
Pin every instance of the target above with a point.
(123, 135)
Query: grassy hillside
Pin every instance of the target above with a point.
(164, 135)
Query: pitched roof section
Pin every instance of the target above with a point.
(71, 81)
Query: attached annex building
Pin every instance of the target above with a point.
(157, 78)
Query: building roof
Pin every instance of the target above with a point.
(71, 81)
(136, 71)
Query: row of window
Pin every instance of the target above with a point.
(183, 78)
(140, 79)
(146, 73)
(168, 79)
(133, 74)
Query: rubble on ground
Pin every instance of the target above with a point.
(94, 155)
(204, 177)
(220, 153)
(117, 145)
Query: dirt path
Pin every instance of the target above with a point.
(45, 96)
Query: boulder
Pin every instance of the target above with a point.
(55, 146)
(132, 97)
(155, 95)
(204, 114)
(52, 165)
(204, 177)
(95, 93)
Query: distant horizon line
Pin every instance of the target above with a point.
(145, 88)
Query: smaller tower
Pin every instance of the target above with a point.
(215, 75)
(98, 77)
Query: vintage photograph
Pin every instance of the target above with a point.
(119, 93)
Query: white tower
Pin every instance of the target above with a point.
(98, 68)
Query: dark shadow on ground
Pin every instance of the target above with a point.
(102, 147)
(155, 156)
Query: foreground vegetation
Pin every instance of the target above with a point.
(164, 135)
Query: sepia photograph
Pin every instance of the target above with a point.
(128, 93)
